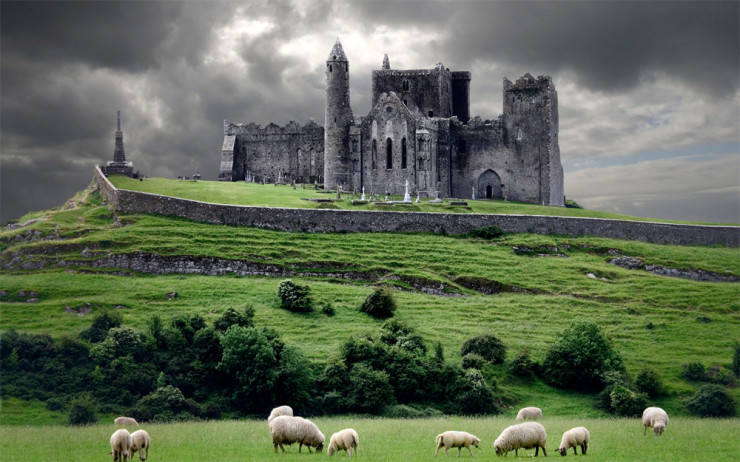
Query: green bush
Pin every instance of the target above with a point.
(711, 400)
(295, 297)
(166, 404)
(328, 310)
(488, 346)
(627, 403)
(523, 366)
(102, 322)
(648, 381)
(581, 358)
(473, 361)
(693, 372)
(370, 389)
(232, 317)
(405, 411)
(736, 360)
(474, 395)
(82, 411)
(379, 303)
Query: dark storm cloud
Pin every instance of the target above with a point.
(607, 45)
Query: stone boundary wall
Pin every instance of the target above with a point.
(321, 220)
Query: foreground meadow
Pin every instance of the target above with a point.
(686, 439)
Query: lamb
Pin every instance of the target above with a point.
(525, 435)
(346, 439)
(656, 418)
(529, 413)
(280, 410)
(120, 421)
(455, 439)
(120, 445)
(576, 436)
(140, 441)
(288, 430)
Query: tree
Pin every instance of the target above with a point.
(232, 317)
(581, 358)
(711, 400)
(82, 411)
(488, 346)
(379, 303)
(102, 322)
(370, 389)
(295, 297)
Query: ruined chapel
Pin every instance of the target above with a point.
(418, 132)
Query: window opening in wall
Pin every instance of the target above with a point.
(430, 113)
(375, 155)
(329, 67)
(461, 146)
(489, 191)
(405, 85)
(421, 144)
(389, 153)
(354, 145)
(403, 153)
(421, 163)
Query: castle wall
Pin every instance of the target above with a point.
(426, 92)
(320, 220)
(273, 153)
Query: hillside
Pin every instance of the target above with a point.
(79, 259)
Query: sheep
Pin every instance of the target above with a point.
(120, 445)
(576, 436)
(656, 418)
(529, 413)
(120, 421)
(459, 440)
(288, 430)
(346, 439)
(281, 410)
(525, 435)
(140, 441)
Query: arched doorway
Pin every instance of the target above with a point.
(489, 186)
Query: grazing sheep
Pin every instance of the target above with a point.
(576, 436)
(125, 421)
(288, 430)
(525, 435)
(459, 440)
(140, 441)
(346, 439)
(280, 410)
(529, 413)
(120, 445)
(656, 418)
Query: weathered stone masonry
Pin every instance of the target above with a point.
(318, 220)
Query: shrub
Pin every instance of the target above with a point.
(164, 405)
(379, 303)
(473, 361)
(581, 358)
(295, 297)
(474, 396)
(405, 411)
(736, 360)
(487, 346)
(232, 317)
(627, 403)
(102, 322)
(711, 400)
(693, 372)
(649, 382)
(82, 411)
(328, 310)
(522, 365)
(720, 376)
(487, 232)
(370, 389)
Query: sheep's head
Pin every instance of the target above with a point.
(320, 447)
(563, 451)
(476, 442)
(659, 428)
(499, 450)
(331, 450)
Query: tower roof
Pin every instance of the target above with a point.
(337, 52)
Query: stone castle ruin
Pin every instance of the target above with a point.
(418, 132)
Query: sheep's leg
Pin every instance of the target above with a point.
(575, 450)
(584, 446)
(470, 451)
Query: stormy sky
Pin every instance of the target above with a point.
(649, 95)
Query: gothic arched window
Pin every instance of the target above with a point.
(403, 153)
(389, 153)
(375, 155)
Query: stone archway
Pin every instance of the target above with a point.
(489, 186)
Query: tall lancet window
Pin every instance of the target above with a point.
(375, 154)
(388, 153)
(403, 153)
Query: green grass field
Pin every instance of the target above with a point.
(241, 193)
(613, 440)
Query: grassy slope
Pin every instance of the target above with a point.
(559, 290)
(613, 440)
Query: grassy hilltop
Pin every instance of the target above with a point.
(525, 289)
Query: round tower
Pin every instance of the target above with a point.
(337, 121)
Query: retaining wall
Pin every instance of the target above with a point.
(320, 220)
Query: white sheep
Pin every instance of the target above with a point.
(656, 418)
(120, 445)
(525, 435)
(346, 439)
(120, 421)
(140, 441)
(576, 436)
(288, 430)
(280, 410)
(455, 439)
(529, 413)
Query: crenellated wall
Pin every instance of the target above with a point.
(321, 220)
